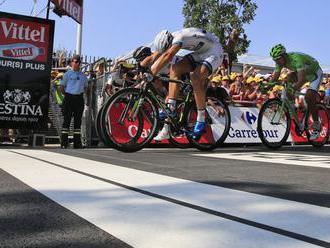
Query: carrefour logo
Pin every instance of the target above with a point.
(249, 117)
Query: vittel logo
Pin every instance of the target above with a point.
(12, 30)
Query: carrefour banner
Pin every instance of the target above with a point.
(243, 129)
(26, 45)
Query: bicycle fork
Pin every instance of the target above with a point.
(133, 112)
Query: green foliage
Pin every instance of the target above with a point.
(221, 17)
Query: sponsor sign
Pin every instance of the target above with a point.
(244, 123)
(26, 45)
(243, 128)
(72, 8)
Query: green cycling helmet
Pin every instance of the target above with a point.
(277, 51)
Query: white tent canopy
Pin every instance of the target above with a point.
(250, 59)
(266, 61)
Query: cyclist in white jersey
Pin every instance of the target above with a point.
(206, 57)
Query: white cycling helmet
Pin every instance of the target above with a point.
(163, 40)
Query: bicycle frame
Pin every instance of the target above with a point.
(149, 89)
(177, 124)
(286, 104)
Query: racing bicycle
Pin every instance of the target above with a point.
(277, 115)
(130, 118)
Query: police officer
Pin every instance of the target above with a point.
(73, 86)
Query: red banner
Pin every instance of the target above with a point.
(72, 8)
(127, 130)
(24, 40)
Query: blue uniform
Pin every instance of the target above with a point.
(74, 82)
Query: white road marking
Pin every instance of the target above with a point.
(274, 158)
(120, 211)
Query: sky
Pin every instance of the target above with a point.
(112, 28)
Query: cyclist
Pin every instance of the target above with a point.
(305, 68)
(206, 57)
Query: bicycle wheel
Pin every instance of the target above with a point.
(274, 124)
(218, 122)
(323, 118)
(98, 127)
(126, 133)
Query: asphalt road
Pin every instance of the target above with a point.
(105, 198)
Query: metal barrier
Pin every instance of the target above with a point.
(93, 102)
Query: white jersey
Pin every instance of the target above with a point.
(195, 39)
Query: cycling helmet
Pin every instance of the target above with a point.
(141, 53)
(277, 51)
(163, 41)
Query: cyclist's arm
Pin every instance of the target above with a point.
(147, 62)
(165, 58)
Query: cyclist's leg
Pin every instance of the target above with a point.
(184, 66)
(177, 69)
(312, 98)
(291, 77)
(209, 62)
(198, 79)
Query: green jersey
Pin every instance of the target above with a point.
(300, 61)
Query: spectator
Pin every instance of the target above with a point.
(322, 93)
(100, 69)
(225, 83)
(236, 89)
(252, 89)
(327, 93)
(56, 76)
(216, 90)
(274, 93)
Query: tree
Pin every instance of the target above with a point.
(221, 17)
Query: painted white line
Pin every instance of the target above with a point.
(137, 219)
(274, 158)
(305, 219)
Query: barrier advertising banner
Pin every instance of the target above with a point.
(243, 129)
(26, 45)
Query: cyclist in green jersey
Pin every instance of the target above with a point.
(304, 68)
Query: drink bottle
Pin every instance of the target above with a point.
(24, 51)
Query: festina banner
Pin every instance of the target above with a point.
(26, 45)
(72, 8)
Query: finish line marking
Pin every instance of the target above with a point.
(274, 158)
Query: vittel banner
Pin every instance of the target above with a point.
(26, 45)
(72, 8)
